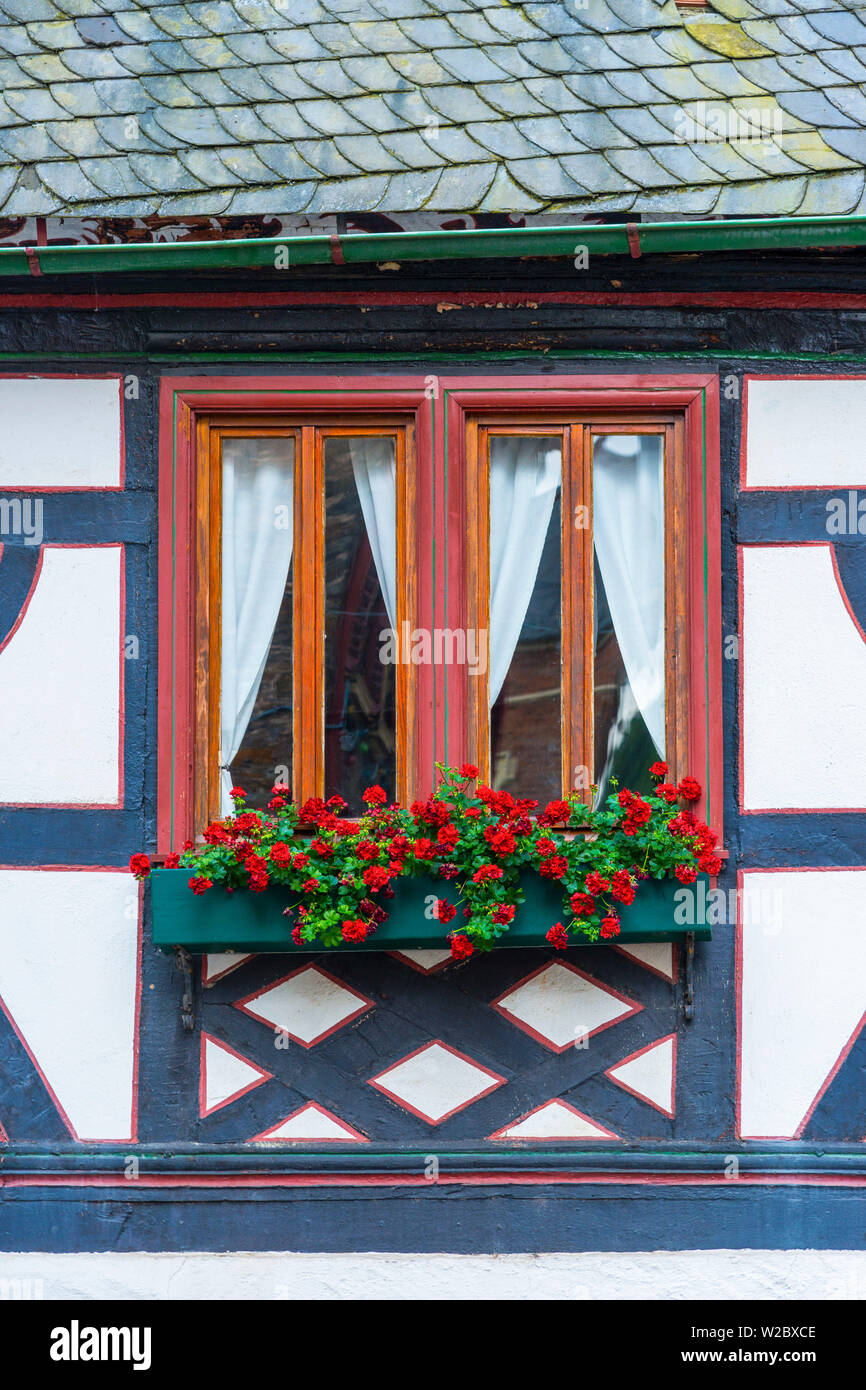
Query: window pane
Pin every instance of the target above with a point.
(628, 532)
(525, 615)
(256, 674)
(360, 604)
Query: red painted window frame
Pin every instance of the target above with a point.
(439, 405)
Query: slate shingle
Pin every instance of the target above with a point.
(472, 105)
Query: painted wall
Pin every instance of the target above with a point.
(402, 1057)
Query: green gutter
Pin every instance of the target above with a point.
(654, 238)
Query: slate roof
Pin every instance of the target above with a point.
(225, 107)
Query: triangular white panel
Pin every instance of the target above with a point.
(649, 1074)
(803, 991)
(556, 1119)
(425, 961)
(225, 1075)
(312, 1123)
(69, 983)
(657, 956)
(222, 963)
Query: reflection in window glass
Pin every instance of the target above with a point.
(256, 641)
(628, 533)
(525, 615)
(360, 608)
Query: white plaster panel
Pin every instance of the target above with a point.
(60, 684)
(60, 432)
(803, 673)
(803, 433)
(560, 1005)
(649, 1074)
(69, 980)
(803, 991)
(226, 1075)
(554, 1120)
(656, 1275)
(435, 1082)
(312, 1123)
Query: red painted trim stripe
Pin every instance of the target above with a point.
(487, 1179)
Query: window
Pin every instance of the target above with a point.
(577, 575)
(302, 573)
(362, 577)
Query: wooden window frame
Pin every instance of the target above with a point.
(310, 435)
(577, 431)
(688, 404)
(439, 407)
(193, 424)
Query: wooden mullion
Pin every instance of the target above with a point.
(407, 602)
(308, 636)
(206, 623)
(578, 656)
(478, 591)
(676, 512)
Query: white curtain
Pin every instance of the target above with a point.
(374, 467)
(628, 528)
(257, 525)
(525, 475)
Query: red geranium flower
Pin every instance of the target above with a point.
(554, 813)
(582, 904)
(354, 930)
(296, 935)
(554, 867)
(200, 885)
(447, 837)
(375, 796)
(668, 791)
(503, 913)
(685, 873)
(237, 794)
(469, 770)
(622, 887)
(310, 885)
(689, 789)
(558, 936)
(659, 770)
(172, 861)
(216, 834)
(487, 871)
(139, 865)
(710, 864)
(312, 810)
(461, 947)
(424, 849)
(376, 877)
(277, 803)
(545, 845)
(500, 840)
(281, 854)
(595, 883)
(445, 910)
(609, 926)
(300, 861)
